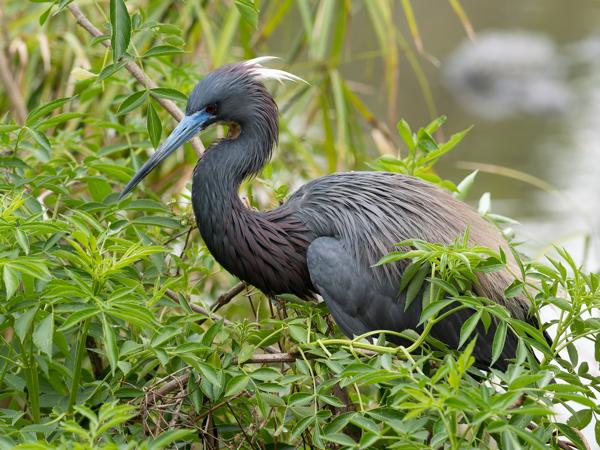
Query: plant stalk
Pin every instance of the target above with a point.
(79, 355)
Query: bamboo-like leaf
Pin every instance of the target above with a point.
(171, 94)
(44, 333)
(11, 280)
(467, 328)
(36, 114)
(499, 340)
(154, 126)
(248, 11)
(162, 50)
(120, 23)
(24, 321)
(132, 101)
(110, 344)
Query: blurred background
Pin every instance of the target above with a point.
(525, 74)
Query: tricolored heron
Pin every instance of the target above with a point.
(327, 236)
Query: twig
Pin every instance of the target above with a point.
(137, 73)
(181, 380)
(228, 296)
(201, 310)
(239, 424)
(198, 309)
(260, 358)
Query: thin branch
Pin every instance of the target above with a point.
(179, 382)
(228, 296)
(201, 310)
(260, 358)
(137, 73)
(197, 308)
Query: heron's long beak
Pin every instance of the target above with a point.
(183, 132)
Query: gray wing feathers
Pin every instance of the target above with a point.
(371, 211)
(359, 303)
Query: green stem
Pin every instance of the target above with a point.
(79, 355)
(33, 385)
(430, 323)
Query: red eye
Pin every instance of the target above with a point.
(211, 108)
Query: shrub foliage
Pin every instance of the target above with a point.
(118, 330)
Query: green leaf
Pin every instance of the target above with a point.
(209, 373)
(23, 323)
(298, 332)
(414, 287)
(236, 385)
(515, 289)
(435, 124)
(39, 112)
(120, 23)
(44, 17)
(99, 188)
(78, 316)
(11, 280)
(468, 327)
(406, 134)
(499, 340)
(154, 126)
(340, 438)
(162, 50)
(44, 333)
(132, 102)
(573, 354)
(446, 287)
(246, 352)
(248, 11)
(171, 94)
(159, 221)
(571, 435)
(433, 308)
(408, 274)
(113, 68)
(110, 344)
(580, 419)
(167, 438)
(300, 426)
(40, 138)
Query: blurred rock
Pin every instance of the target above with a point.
(507, 73)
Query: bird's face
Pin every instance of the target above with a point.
(232, 93)
(201, 112)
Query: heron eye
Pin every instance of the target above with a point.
(211, 108)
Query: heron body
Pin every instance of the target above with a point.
(328, 235)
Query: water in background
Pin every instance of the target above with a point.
(530, 84)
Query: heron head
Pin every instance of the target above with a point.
(232, 94)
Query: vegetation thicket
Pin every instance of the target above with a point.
(118, 329)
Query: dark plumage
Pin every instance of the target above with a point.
(330, 232)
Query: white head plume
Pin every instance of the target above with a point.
(266, 73)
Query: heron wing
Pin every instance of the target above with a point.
(372, 211)
(359, 303)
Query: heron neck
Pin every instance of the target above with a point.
(217, 179)
(228, 162)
